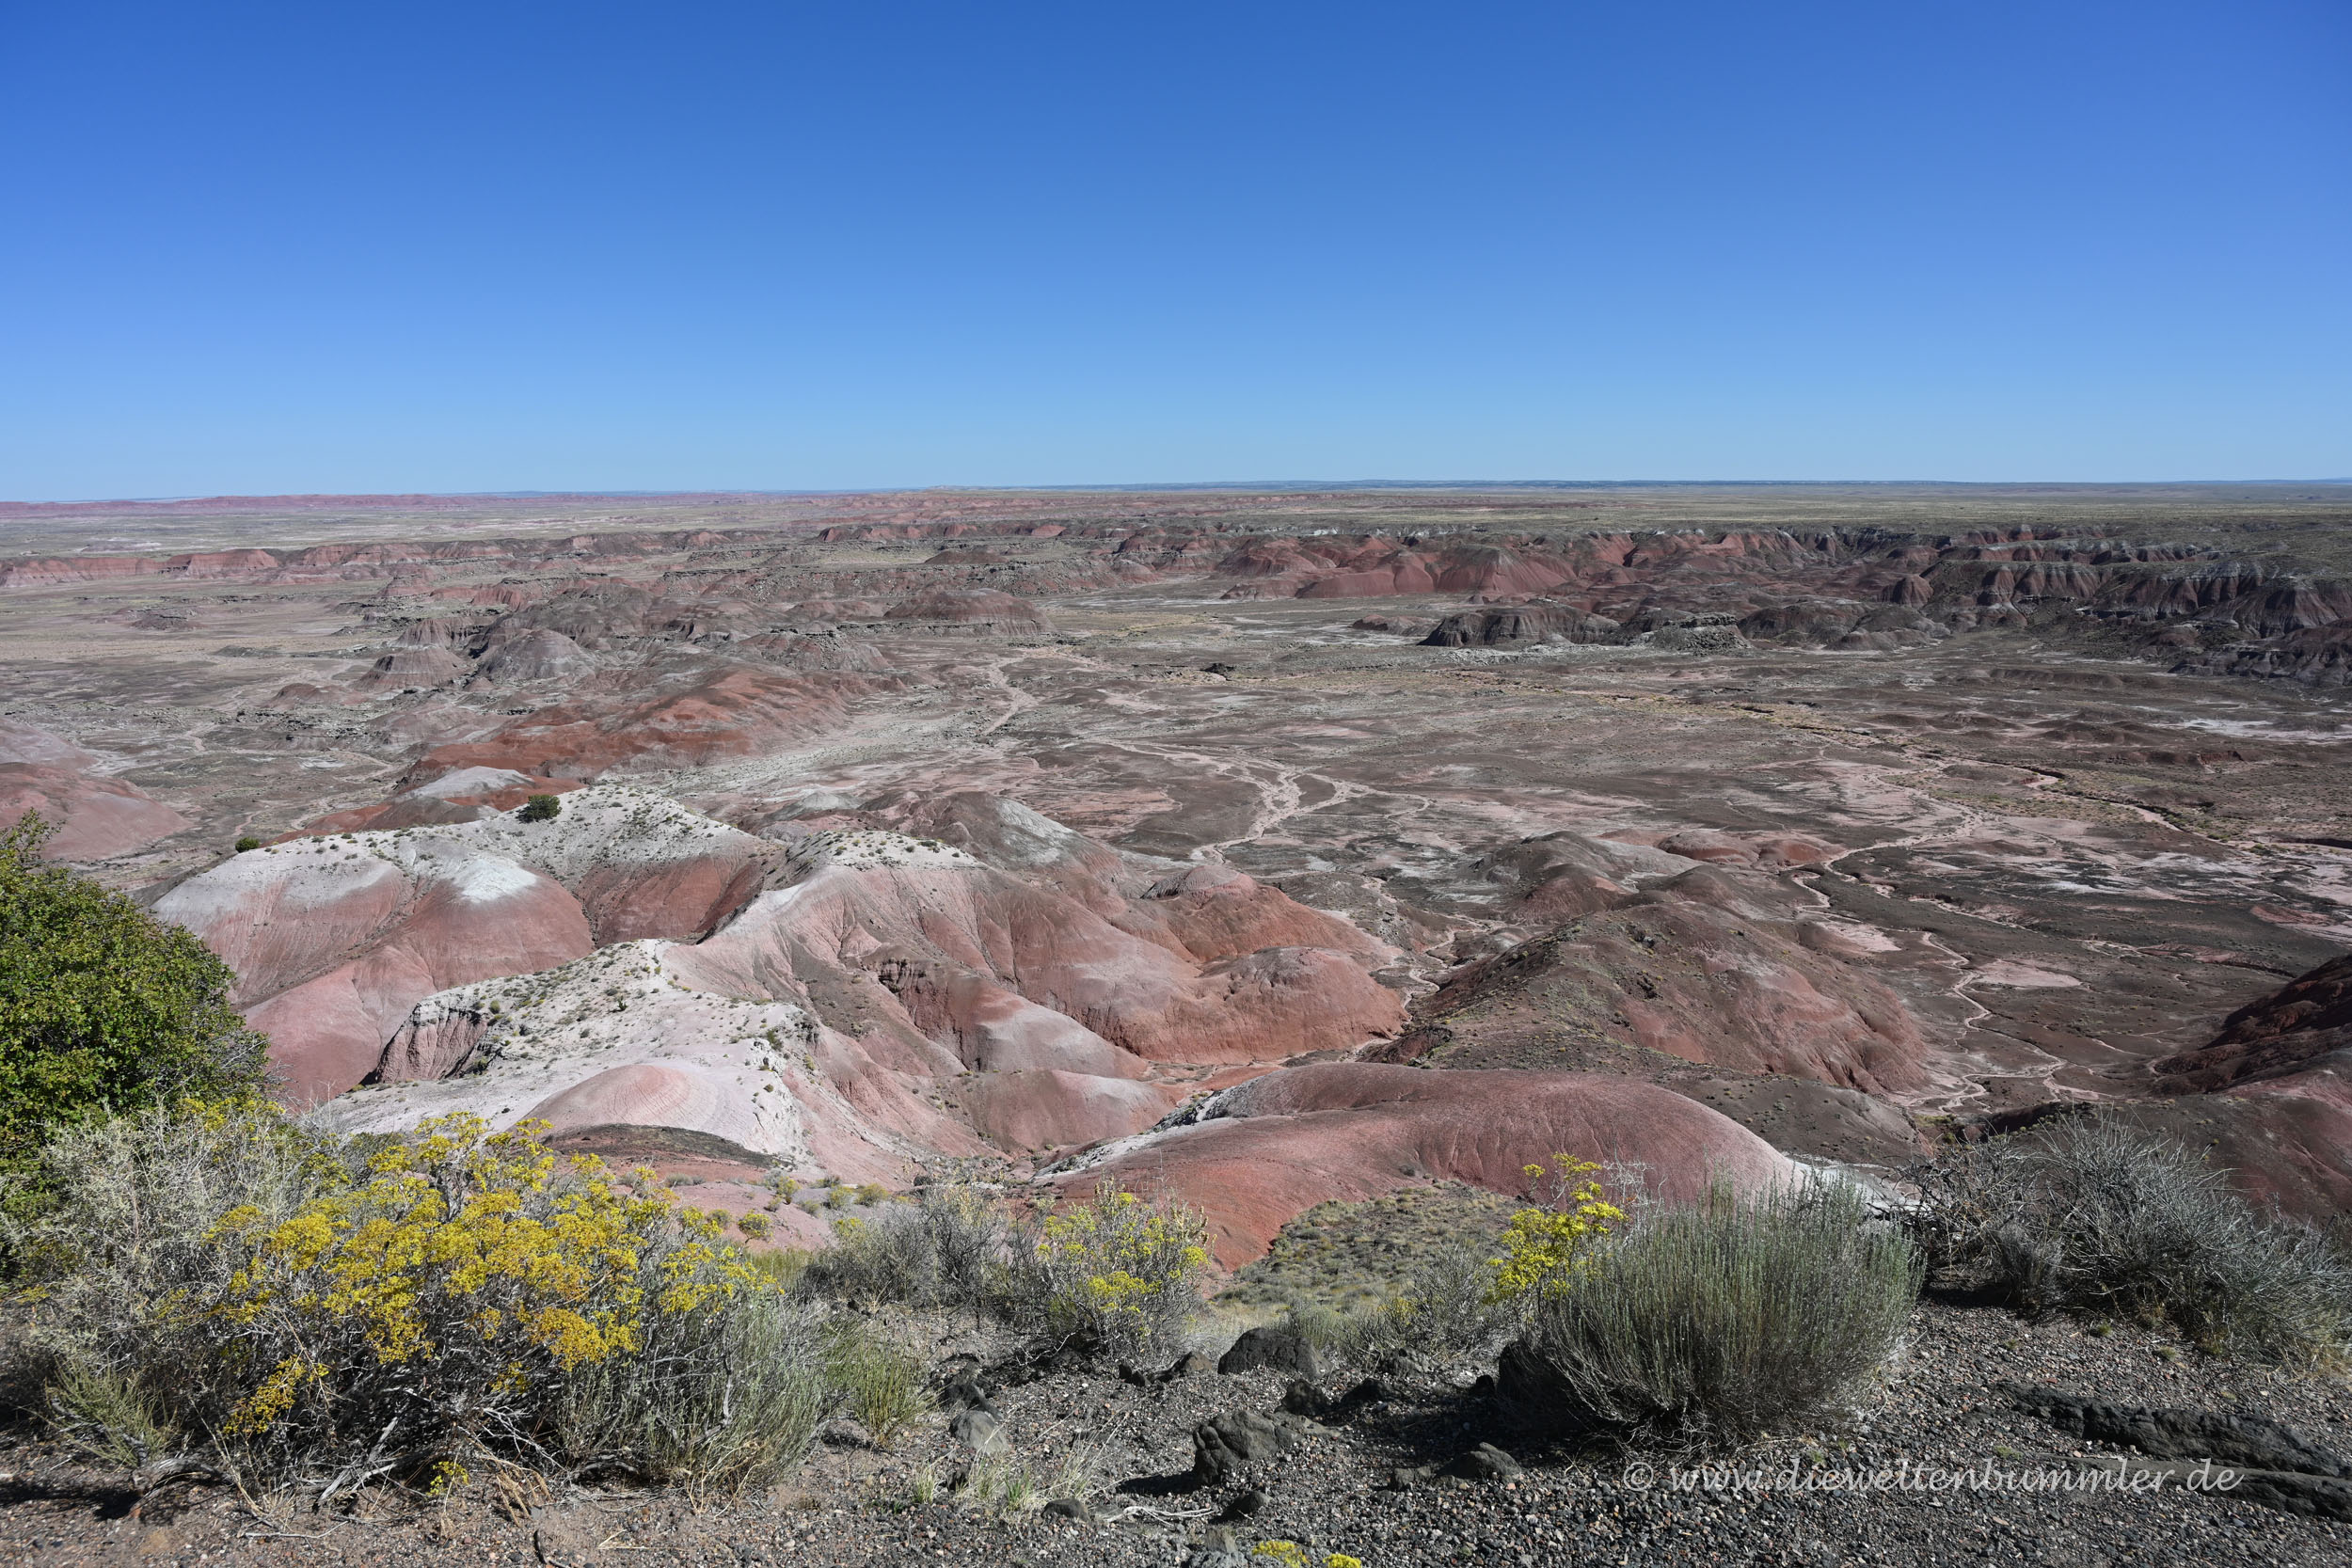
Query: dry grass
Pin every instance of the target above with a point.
(1345, 1256)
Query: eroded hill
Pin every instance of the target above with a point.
(1272, 850)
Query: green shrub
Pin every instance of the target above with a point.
(1000, 1486)
(247, 844)
(1114, 1277)
(781, 1266)
(882, 1382)
(728, 1399)
(540, 808)
(293, 1310)
(1711, 1325)
(102, 1009)
(755, 1225)
(2090, 1215)
(108, 1416)
(945, 1250)
(1452, 1312)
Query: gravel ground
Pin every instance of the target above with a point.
(854, 1505)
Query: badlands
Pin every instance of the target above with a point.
(1265, 848)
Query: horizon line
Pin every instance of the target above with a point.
(1129, 486)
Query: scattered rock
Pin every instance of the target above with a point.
(978, 1426)
(1274, 1348)
(1486, 1463)
(2318, 1496)
(964, 1393)
(2289, 1491)
(154, 1542)
(1225, 1446)
(1219, 1548)
(1304, 1399)
(1529, 1389)
(2175, 1434)
(1247, 1503)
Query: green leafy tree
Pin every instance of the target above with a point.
(540, 808)
(103, 1008)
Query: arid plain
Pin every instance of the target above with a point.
(1269, 848)
(1833, 810)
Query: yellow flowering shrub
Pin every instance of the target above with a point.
(298, 1302)
(1117, 1275)
(1290, 1554)
(1548, 1246)
(481, 1255)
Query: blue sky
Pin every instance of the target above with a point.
(482, 247)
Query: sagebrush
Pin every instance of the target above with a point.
(2089, 1215)
(1444, 1312)
(1709, 1325)
(881, 1384)
(1459, 1302)
(946, 1248)
(1111, 1276)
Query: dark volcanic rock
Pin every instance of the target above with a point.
(1227, 1445)
(2176, 1433)
(1531, 1391)
(1280, 1349)
(1247, 1503)
(979, 1426)
(1486, 1463)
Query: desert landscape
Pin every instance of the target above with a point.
(1278, 854)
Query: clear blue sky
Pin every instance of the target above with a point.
(426, 247)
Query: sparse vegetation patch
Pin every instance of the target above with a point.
(1709, 1325)
(2090, 1215)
